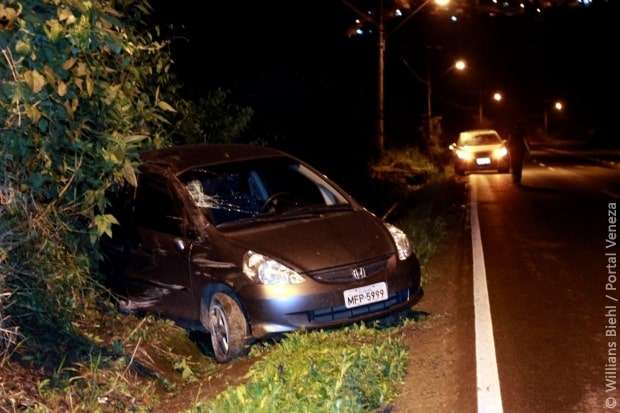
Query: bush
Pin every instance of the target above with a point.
(82, 92)
(212, 119)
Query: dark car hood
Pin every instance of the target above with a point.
(318, 243)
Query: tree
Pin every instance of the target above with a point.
(83, 87)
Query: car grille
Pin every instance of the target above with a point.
(483, 154)
(344, 273)
(342, 313)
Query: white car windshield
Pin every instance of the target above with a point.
(480, 139)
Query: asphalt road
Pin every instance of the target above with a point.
(544, 255)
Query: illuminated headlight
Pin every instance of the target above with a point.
(464, 155)
(267, 271)
(402, 242)
(500, 152)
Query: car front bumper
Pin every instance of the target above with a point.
(313, 304)
(472, 165)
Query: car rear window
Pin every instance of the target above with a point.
(265, 187)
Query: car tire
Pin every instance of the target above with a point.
(227, 325)
(459, 171)
(504, 170)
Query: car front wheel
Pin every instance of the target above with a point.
(228, 327)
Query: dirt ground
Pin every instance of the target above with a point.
(441, 371)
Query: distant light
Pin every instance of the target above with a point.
(497, 97)
(442, 3)
(369, 12)
(359, 31)
(506, 4)
(454, 18)
(357, 21)
(538, 10)
(495, 1)
(559, 106)
(460, 65)
(522, 5)
(397, 12)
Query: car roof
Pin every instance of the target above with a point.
(178, 159)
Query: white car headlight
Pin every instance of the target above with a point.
(268, 271)
(402, 242)
(500, 152)
(464, 154)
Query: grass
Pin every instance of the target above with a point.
(354, 369)
(428, 214)
(119, 363)
(425, 199)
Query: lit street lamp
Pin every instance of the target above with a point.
(497, 97)
(460, 65)
(379, 23)
(558, 106)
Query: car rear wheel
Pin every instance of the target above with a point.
(228, 326)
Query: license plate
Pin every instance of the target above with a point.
(483, 161)
(368, 294)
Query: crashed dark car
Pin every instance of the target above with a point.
(247, 242)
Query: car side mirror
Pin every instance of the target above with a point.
(452, 146)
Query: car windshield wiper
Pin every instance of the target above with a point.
(264, 219)
(317, 209)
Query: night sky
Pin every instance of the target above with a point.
(313, 87)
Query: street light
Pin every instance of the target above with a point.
(460, 65)
(558, 106)
(497, 97)
(379, 22)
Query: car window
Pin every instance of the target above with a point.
(156, 206)
(480, 139)
(238, 190)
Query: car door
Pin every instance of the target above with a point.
(159, 260)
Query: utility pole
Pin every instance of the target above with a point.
(379, 23)
(381, 85)
(480, 109)
(429, 99)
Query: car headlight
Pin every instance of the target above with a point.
(268, 271)
(499, 153)
(402, 242)
(464, 154)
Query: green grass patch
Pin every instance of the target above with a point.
(429, 215)
(354, 369)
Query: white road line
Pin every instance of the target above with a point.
(487, 378)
